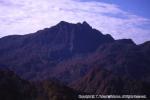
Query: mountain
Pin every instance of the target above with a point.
(101, 81)
(34, 55)
(55, 90)
(121, 58)
(12, 87)
(80, 57)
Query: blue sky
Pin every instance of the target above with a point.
(139, 7)
(120, 18)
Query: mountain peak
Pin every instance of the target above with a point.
(80, 37)
(86, 24)
(63, 23)
(125, 41)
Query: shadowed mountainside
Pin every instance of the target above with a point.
(14, 88)
(100, 81)
(123, 59)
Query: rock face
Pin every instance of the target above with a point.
(81, 57)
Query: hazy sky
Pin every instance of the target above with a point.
(120, 18)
